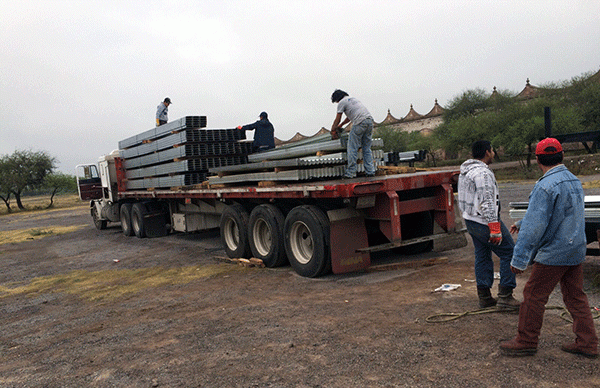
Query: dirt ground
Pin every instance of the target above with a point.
(91, 308)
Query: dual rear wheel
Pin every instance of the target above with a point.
(143, 219)
(302, 238)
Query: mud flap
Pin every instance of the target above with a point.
(347, 234)
(155, 225)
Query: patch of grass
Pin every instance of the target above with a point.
(40, 232)
(508, 174)
(584, 164)
(110, 285)
(580, 165)
(20, 235)
(591, 185)
(41, 202)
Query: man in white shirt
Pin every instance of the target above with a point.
(360, 135)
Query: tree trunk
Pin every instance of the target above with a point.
(18, 199)
(529, 156)
(7, 202)
(52, 197)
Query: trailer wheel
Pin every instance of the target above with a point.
(138, 212)
(234, 231)
(307, 241)
(98, 223)
(265, 233)
(125, 217)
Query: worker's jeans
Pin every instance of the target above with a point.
(360, 137)
(484, 265)
(541, 283)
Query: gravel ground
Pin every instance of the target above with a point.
(253, 327)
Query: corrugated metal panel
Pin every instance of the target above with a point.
(337, 158)
(305, 150)
(289, 175)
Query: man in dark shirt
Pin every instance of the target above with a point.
(263, 133)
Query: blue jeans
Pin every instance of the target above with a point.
(484, 266)
(360, 137)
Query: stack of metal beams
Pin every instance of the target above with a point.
(409, 157)
(300, 161)
(180, 153)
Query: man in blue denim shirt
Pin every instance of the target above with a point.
(552, 237)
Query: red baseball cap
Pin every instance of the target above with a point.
(548, 146)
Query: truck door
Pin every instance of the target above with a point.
(88, 182)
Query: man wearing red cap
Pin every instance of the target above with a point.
(552, 239)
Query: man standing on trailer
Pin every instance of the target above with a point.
(360, 135)
(552, 239)
(162, 112)
(479, 202)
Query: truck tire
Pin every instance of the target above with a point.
(98, 223)
(138, 213)
(265, 234)
(234, 231)
(306, 233)
(125, 217)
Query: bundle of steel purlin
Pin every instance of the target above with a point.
(186, 122)
(180, 154)
(591, 210)
(409, 157)
(295, 163)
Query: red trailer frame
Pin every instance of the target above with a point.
(380, 199)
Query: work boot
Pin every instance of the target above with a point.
(515, 348)
(506, 301)
(573, 348)
(485, 298)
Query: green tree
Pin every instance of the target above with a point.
(4, 183)
(418, 141)
(393, 140)
(59, 181)
(25, 170)
(467, 104)
(589, 103)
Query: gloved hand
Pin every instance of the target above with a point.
(495, 233)
(157, 122)
(335, 134)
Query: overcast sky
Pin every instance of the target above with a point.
(79, 76)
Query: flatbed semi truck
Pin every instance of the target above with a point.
(318, 227)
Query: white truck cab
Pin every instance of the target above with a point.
(98, 184)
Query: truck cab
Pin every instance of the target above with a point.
(98, 184)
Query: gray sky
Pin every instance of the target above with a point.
(76, 77)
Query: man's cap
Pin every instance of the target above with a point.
(263, 115)
(167, 100)
(548, 146)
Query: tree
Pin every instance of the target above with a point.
(4, 186)
(393, 140)
(59, 181)
(25, 170)
(419, 141)
(467, 104)
(590, 107)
